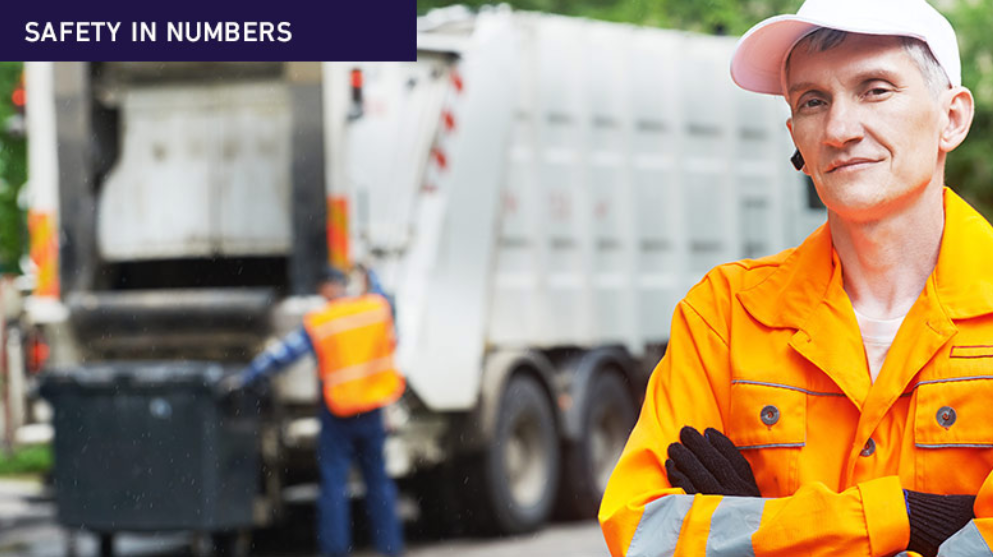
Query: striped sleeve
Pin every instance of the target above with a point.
(278, 356)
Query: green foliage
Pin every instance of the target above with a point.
(13, 174)
(707, 16)
(970, 168)
(32, 459)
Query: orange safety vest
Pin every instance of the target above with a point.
(354, 341)
(769, 352)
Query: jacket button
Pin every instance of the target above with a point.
(946, 416)
(770, 415)
(869, 448)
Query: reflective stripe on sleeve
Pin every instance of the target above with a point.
(732, 526)
(967, 541)
(658, 530)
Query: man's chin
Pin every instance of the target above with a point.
(858, 208)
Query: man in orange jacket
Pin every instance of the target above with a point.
(353, 340)
(842, 386)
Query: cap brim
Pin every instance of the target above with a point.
(758, 58)
(760, 54)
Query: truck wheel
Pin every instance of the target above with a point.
(608, 416)
(520, 468)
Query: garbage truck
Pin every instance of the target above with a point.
(535, 191)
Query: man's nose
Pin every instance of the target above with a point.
(844, 124)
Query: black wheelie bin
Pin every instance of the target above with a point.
(153, 447)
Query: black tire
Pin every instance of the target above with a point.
(519, 470)
(231, 543)
(106, 544)
(609, 413)
(222, 543)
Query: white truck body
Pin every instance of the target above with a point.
(592, 173)
(209, 174)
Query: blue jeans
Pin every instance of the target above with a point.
(357, 438)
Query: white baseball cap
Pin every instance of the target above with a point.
(759, 58)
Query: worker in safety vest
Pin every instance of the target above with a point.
(353, 340)
(833, 399)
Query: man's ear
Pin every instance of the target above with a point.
(959, 109)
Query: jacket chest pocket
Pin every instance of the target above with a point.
(768, 423)
(953, 434)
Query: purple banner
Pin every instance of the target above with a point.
(181, 30)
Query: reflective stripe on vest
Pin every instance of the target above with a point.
(349, 322)
(358, 371)
(353, 339)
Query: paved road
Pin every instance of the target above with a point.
(27, 529)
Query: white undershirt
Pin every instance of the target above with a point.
(877, 337)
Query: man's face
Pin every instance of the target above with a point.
(331, 290)
(866, 124)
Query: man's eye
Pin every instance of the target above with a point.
(811, 103)
(877, 92)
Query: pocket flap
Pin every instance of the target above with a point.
(766, 415)
(954, 413)
(970, 352)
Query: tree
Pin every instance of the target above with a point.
(970, 167)
(13, 171)
(707, 16)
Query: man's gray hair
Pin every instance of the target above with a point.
(825, 39)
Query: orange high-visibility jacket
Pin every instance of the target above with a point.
(769, 352)
(354, 342)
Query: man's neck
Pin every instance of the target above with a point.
(886, 263)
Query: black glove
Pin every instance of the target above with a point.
(229, 386)
(934, 518)
(710, 465)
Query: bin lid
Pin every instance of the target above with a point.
(136, 374)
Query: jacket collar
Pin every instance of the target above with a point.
(789, 294)
(964, 274)
(963, 277)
